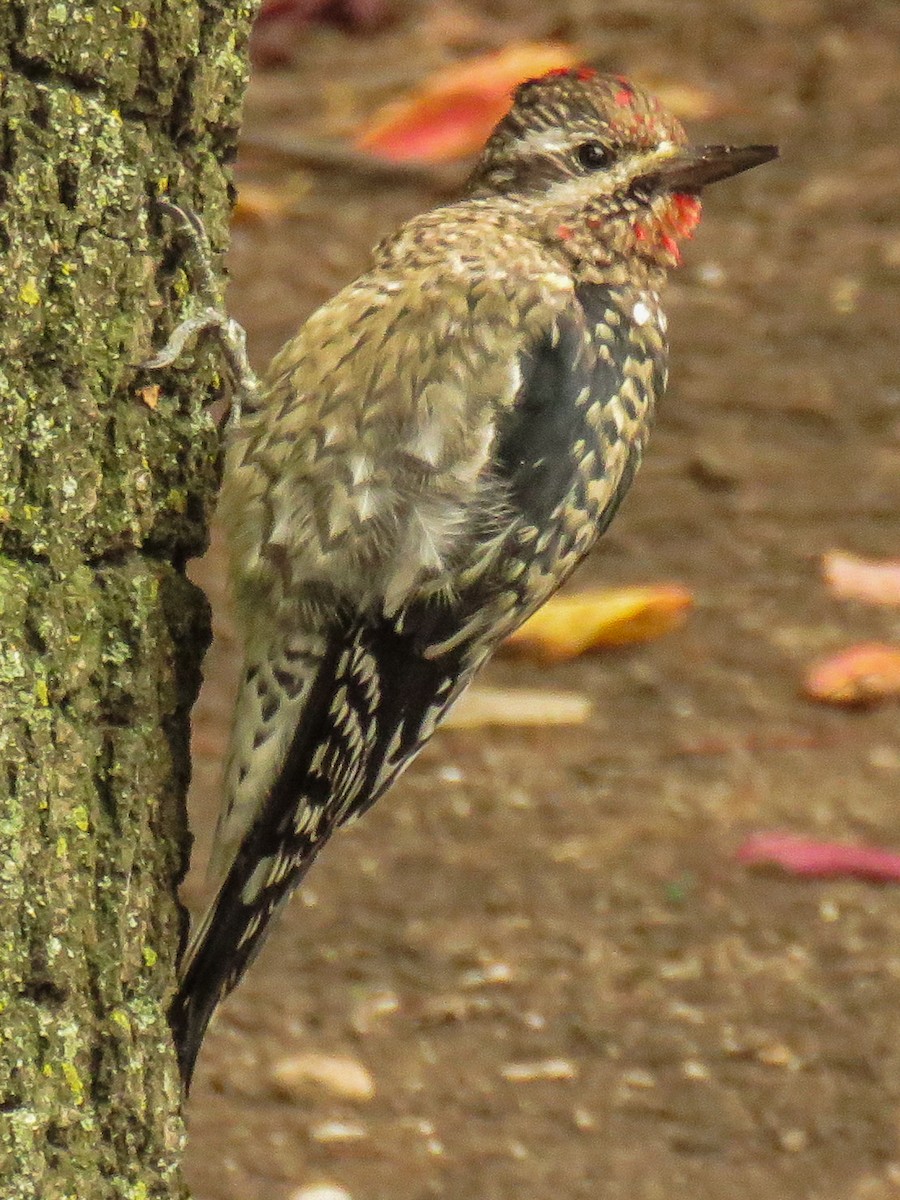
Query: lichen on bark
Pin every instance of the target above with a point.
(107, 476)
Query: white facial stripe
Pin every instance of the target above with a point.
(579, 189)
(548, 139)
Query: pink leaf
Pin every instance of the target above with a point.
(861, 674)
(823, 860)
(872, 580)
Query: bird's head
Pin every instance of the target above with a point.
(603, 169)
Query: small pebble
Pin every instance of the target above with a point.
(687, 1013)
(693, 1069)
(337, 1131)
(776, 1054)
(497, 972)
(638, 1079)
(711, 273)
(372, 1009)
(548, 1068)
(844, 295)
(794, 1140)
(829, 911)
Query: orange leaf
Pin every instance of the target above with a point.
(267, 202)
(860, 675)
(571, 625)
(451, 114)
(853, 578)
(686, 101)
(150, 394)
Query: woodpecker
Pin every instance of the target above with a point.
(425, 463)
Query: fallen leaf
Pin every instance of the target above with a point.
(875, 581)
(862, 674)
(150, 394)
(451, 114)
(265, 202)
(567, 626)
(483, 706)
(342, 1076)
(825, 860)
(685, 100)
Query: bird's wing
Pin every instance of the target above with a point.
(568, 450)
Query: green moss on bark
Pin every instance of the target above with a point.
(106, 478)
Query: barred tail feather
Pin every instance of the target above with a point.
(372, 704)
(231, 934)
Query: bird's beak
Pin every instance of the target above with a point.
(691, 168)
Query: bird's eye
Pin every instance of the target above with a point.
(594, 155)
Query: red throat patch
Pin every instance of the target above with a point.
(677, 218)
(685, 213)
(624, 97)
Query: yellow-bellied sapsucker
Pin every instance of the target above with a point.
(426, 462)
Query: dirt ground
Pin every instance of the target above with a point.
(539, 945)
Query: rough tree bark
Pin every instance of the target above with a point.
(106, 478)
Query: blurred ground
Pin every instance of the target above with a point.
(564, 903)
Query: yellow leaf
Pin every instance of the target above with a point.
(567, 626)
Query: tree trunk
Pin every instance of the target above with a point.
(106, 478)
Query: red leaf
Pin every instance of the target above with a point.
(824, 860)
(451, 114)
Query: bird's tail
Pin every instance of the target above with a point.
(230, 935)
(372, 702)
(293, 817)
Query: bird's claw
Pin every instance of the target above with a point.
(231, 335)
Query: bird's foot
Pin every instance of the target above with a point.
(212, 316)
